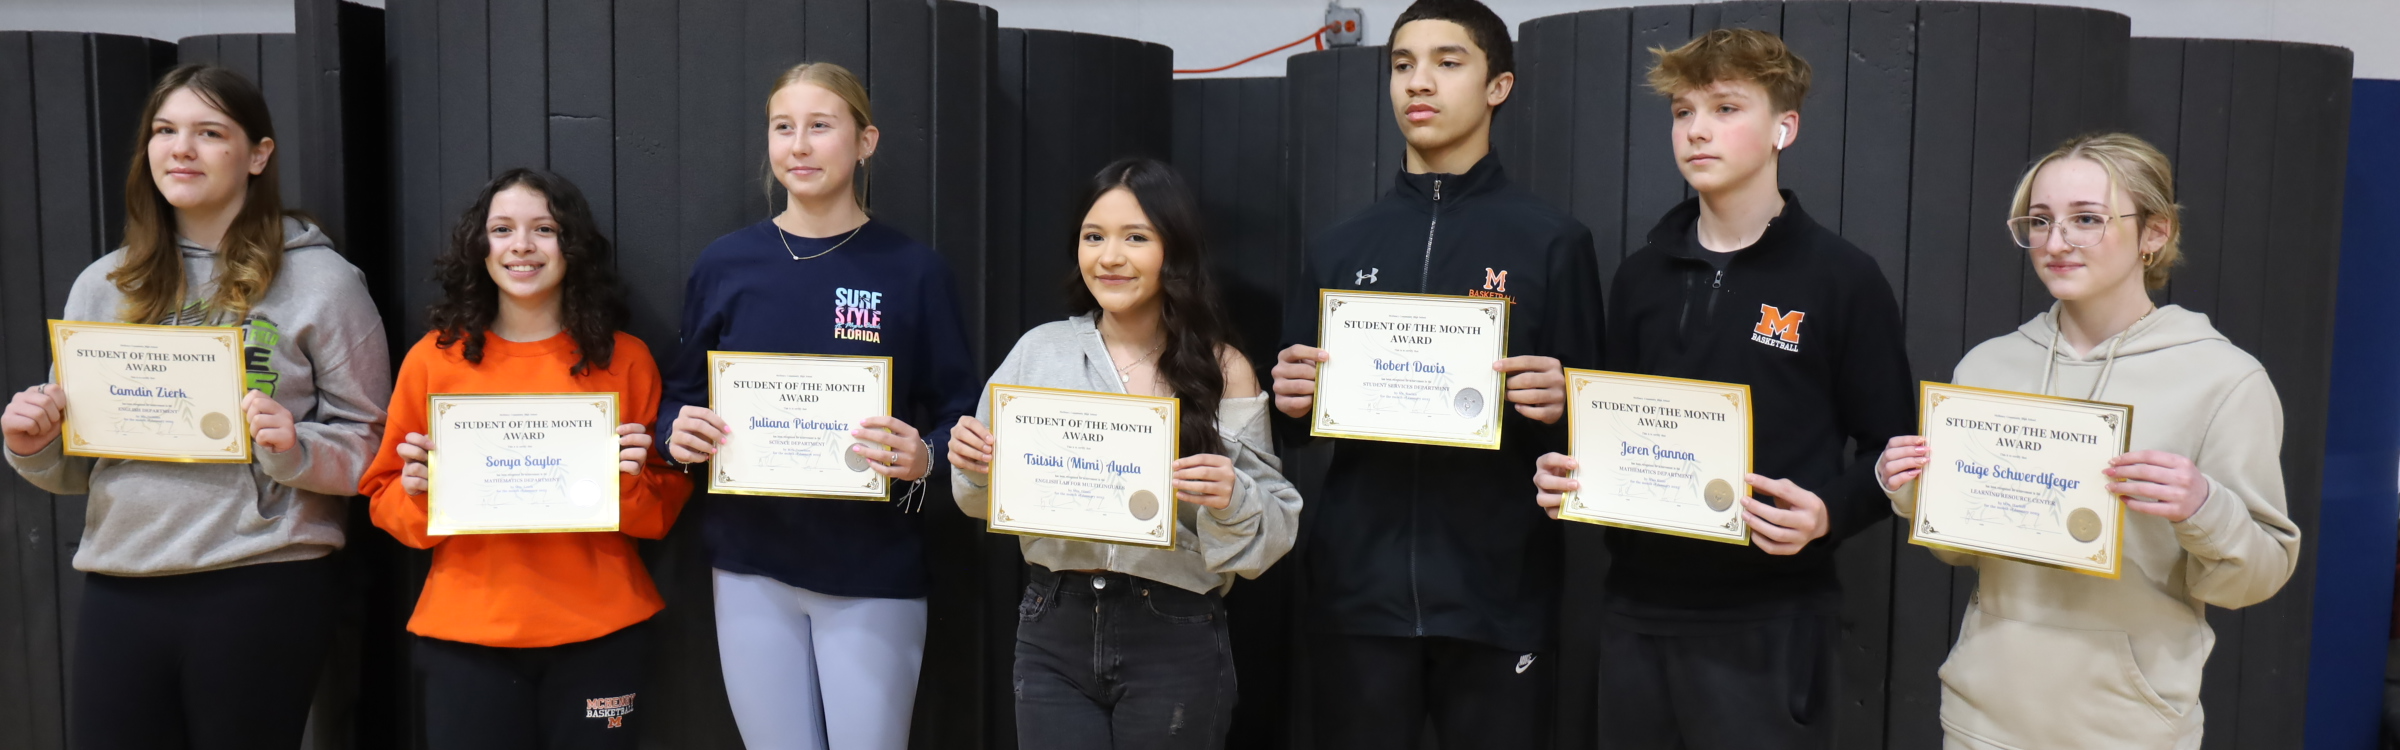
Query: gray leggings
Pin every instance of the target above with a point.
(807, 671)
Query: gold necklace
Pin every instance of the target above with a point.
(1125, 374)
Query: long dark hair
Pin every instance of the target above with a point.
(151, 278)
(1194, 323)
(590, 305)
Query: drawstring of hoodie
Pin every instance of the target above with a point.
(2107, 364)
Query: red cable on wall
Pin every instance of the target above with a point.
(1318, 35)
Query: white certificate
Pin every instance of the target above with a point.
(518, 463)
(791, 416)
(1659, 454)
(1096, 467)
(1411, 368)
(2017, 475)
(152, 393)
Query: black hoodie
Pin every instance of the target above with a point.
(1806, 320)
(1409, 540)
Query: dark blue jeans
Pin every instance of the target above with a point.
(1108, 660)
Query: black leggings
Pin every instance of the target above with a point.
(574, 695)
(222, 659)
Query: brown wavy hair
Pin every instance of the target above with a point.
(251, 253)
(591, 303)
(1194, 323)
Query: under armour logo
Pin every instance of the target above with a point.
(1524, 662)
(1368, 276)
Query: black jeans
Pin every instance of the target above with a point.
(1108, 660)
(1761, 685)
(572, 695)
(1376, 692)
(223, 659)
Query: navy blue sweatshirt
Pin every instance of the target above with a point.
(882, 294)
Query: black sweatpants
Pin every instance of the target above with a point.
(1762, 685)
(574, 695)
(223, 659)
(1376, 692)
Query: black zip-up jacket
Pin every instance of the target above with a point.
(1409, 540)
(1806, 320)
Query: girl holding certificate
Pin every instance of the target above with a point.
(529, 639)
(820, 604)
(2055, 659)
(1146, 323)
(210, 605)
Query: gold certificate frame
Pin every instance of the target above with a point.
(152, 393)
(586, 480)
(1103, 509)
(735, 471)
(1681, 451)
(1412, 400)
(1992, 448)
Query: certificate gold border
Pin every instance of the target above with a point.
(1749, 429)
(1927, 390)
(433, 463)
(233, 342)
(883, 485)
(1316, 407)
(1172, 507)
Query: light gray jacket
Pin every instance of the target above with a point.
(1212, 546)
(316, 345)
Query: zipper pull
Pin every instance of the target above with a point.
(1719, 281)
(1437, 188)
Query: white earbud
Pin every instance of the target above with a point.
(1781, 132)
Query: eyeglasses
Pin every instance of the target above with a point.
(2080, 230)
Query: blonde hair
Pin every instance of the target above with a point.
(842, 83)
(2146, 176)
(1733, 55)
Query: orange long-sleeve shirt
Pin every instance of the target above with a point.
(528, 590)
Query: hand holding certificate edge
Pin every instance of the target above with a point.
(270, 424)
(35, 418)
(1295, 376)
(2168, 485)
(1797, 517)
(904, 453)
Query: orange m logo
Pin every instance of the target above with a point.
(1773, 322)
(1497, 282)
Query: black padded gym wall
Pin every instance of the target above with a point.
(656, 109)
(69, 105)
(2258, 132)
(1230, 146)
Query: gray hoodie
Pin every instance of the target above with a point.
(1211, 546)
(316, 345)
(2052, 660)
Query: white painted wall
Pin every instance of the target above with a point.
(1209, 33)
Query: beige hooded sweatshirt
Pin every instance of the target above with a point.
(2052, 660)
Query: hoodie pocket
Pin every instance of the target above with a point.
(2034, 685)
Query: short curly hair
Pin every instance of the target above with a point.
(1732, 55)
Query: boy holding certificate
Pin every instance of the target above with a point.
(528, 639)
(1435, 588)
(1740, 286)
